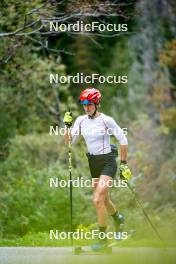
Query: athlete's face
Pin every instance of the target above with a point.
(89, 109)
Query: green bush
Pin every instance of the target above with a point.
(28, 203)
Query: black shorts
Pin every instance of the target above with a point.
(104, 164)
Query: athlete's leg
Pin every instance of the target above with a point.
(112, 210)
(95, 182)
(109, 205)
(100, 193)
(103, 204)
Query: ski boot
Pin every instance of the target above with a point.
(101, 246)
(119, 225)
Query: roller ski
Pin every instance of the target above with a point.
(97, 248)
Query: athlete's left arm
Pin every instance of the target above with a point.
(120, 136)
(123, 152)
(124, 170)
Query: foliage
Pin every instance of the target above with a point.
(164, 92)
(26, 196)
(30, 105)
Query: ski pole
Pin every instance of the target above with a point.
(144, 212)
(70, 178)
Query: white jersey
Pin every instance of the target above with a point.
(96, 133)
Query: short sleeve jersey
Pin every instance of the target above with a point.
(97, 132)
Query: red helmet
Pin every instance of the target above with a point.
(89, 96)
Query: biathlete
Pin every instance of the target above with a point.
(96, 129)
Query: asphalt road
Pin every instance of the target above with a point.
(65, 255)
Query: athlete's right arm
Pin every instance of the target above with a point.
(74, 132)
